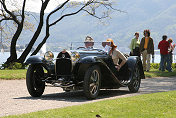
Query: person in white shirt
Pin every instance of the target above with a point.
(119, 61)
(116, 55)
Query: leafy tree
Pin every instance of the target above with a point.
(18, 18)
(91, 7)
(65, 9)
(36, 34)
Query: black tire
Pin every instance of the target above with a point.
(135, 80)
(92, 82)
(34, 83)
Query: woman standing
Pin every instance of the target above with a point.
(171, 49)
(134, 46)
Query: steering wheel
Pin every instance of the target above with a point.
(80, 48)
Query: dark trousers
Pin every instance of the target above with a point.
(136, 52)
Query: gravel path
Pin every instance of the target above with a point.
(14, 97)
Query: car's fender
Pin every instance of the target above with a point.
(34, 60)
(84, 63)
(50, 67)
(89, 60)
(132, 61)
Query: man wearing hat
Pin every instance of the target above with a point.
(89, 42)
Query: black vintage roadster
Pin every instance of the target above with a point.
(87, 69)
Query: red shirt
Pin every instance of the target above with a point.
(163, 46)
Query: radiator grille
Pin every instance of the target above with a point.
(63, 64)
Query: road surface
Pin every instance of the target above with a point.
(15, 99)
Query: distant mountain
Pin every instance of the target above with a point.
(157, 15)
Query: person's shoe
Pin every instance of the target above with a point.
(147, 70)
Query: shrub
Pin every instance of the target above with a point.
(157, 65)
(14, 66)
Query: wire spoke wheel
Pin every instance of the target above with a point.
(135, 81)
(92, 80)
(136, 78)
(94, 83)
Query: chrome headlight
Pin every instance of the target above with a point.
(75, 56)
(49, 56)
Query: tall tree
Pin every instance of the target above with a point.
(89, 7)
(19, 22)
(18, 18)
(23, 56)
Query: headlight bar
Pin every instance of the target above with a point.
(75, 56)
(49, 56)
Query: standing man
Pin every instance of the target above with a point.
(146, 49)
(164, 46)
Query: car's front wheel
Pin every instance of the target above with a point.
(92, 82)
(135, 81)
(34, 82)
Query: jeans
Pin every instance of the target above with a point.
(165, 58)
(170, 58)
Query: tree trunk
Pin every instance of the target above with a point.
(13, 54)
(25, 53)
(43, 42)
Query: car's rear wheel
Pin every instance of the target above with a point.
(135, 81)
(34, 82)
(92, 82)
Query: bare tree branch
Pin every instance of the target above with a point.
(10, 13)
(93, 14)
(70, 13)
(60, 7)
(23, 11)
(4, 19)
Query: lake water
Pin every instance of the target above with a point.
(5, 55)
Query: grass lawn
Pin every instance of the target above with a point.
(156, 73)
(157, 105)
(21, 74)
(13, 74)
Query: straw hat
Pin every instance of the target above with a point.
(89, 39)
(112, 43)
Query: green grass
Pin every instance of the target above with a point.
(157, 105)
(13, 74)
(21, 74)
(156, 73)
